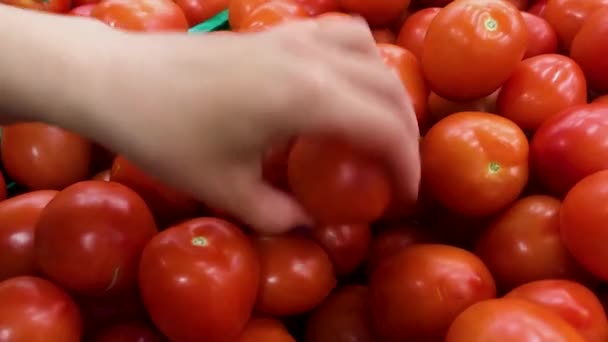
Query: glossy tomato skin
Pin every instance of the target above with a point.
(35, 310)
(572, 301)
(129, 332)
(43, 157)
(142, 15)
(90, 235)
(414, 29)
(473, 34)
(476, 156)
(510, 319)
(439, 107)
(271, 14)
(18, 218)
(542, 38)
(416, 294)
(588, 50)
(569, 146)
(346, 244)
(377, 12)
(335, 183)
(85, 10)
(53, 6)
(239, 10)
(265, 329)
(185, 300)
(541, 87)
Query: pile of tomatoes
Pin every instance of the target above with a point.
(507, 240)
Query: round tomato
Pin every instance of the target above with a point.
(439, 107)
(317, 7)
(510, 319)
(336, 184)
(542, 38)
(35, 310)
(377, 12)
(53, 6)
(90, 235)
(569, 146)
(18, 218)
(480, 157)
(384, 36)
(541, 87)
(239, 10)
(589, 47)
(572, 301)
(296, 275)
(412, 33)
(344, 317)
(142, 15)
(272, 14)
(199, 280)
(83, 10)
(524, 244)
(197, 11)
(416, 294)
(538, 8)
(266, 330)
(465, 55)
(43, 157)
(129, 332)
(346, 244)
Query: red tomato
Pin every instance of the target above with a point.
(274, 165)
(336, 184)
(510, 319)
(104, 175)
(377, 12)
(266, 330)
(572, 301)
(343, 317)
(297, 275)
(480, 157)
(317, 7)
(417, 293)
(142, 15)
(541, 87)
(129, 332)
(384, 36)
(199, 280)
(538, 8)
(465, 55)
(90, 235)
(569, 146)
(524, 244)
(567, 17)
(542, 38)
(35, 310)
(18, 218)
(197, 11)
(346, 244)
(43, 157)
(53, 6)
(414, 29)
(239, 10)
(272, 14)
(83, 10)
(439, 107)
(102, 312)
(589, 48)
(601, 99)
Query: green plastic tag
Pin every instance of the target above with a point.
(217, 23)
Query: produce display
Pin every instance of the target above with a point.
(507, 242)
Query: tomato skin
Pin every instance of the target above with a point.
(90, 235)
(416, 294)
(378, 12)
(344, 317)
(569, 146)
(336, 184)
(572, 301)
(473, 34)
(197, 11)
(589, 47)
(43, 157)
(239, 10)
(538, 8)
(478, 156)
(174, 279)
(346, 244)
(542, 38)
(85, 10)
(35, 310)
(510, 319)
(414, 29)
(439, 107)
(286, 288)
(129, 332)
(541, 87)
(384, 36)
(142, 15)
(53, 6)
(272, 14)
(265, 329)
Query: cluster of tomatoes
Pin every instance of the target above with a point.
(507, 241)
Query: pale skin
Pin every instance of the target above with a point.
(199, 111)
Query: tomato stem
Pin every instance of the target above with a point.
(199, 241)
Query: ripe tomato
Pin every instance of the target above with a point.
(296, 275)
(18, 218)
(589, 47)
(510, 319)
(416, 294)
(239, 10)
(346, 244)
(35, 310)
(414, 29)
(567, 17)
(265, 329)
(478, 156)
(83, 10)
(569, 146)
(90, 235)
(572, 301)
(197, 11)
(142, 15)
(471, 33)
(439, 107)
(53, 6)
(43, 157)
(344, 317)
(541, 87)
(538, 8)
(524, 244)
(199, 280)
(384, 36)
(129, 332)
(336, 184)
(377, 12)
(318, 7)
(271, 14)
(542, 38)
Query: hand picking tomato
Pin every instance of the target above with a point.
(542, 38)
(346, 244)
(129, 332)
(414, 29)
(142, 15)
(265, 329)
(53, 6)
(589, 48)
(377, 12)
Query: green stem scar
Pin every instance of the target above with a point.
(199, 241)
(494, 167)
(490, 24)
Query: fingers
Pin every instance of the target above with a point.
(350, 33)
